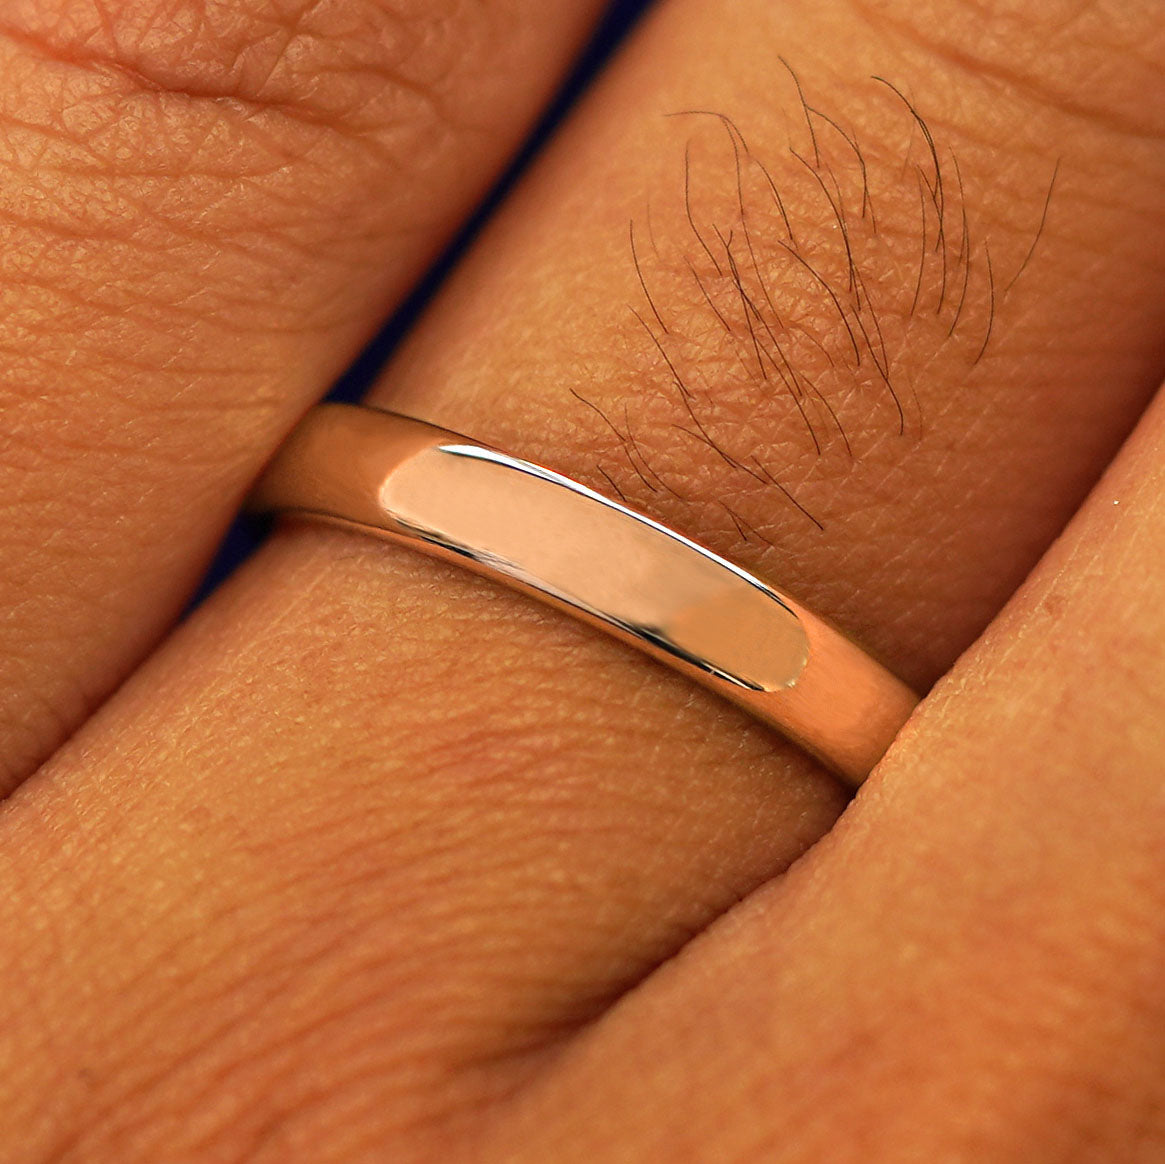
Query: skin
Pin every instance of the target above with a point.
(190, 251)
(371, 859)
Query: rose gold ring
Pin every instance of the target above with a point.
(554, 539)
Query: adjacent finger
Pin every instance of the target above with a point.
(971, 967)
(351, 734)
(204, 214)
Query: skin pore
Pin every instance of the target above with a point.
(371, 859)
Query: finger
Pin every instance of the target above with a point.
(204, 217)
(543, 817)
(971, 966)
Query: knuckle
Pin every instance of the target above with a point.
(309, 61)
(160, 163)
(175, 128)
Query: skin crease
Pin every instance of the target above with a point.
(358, 864)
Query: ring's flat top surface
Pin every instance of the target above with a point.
(558, 537)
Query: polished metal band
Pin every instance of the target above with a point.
(555, 539)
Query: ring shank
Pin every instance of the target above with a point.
(550, 537)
